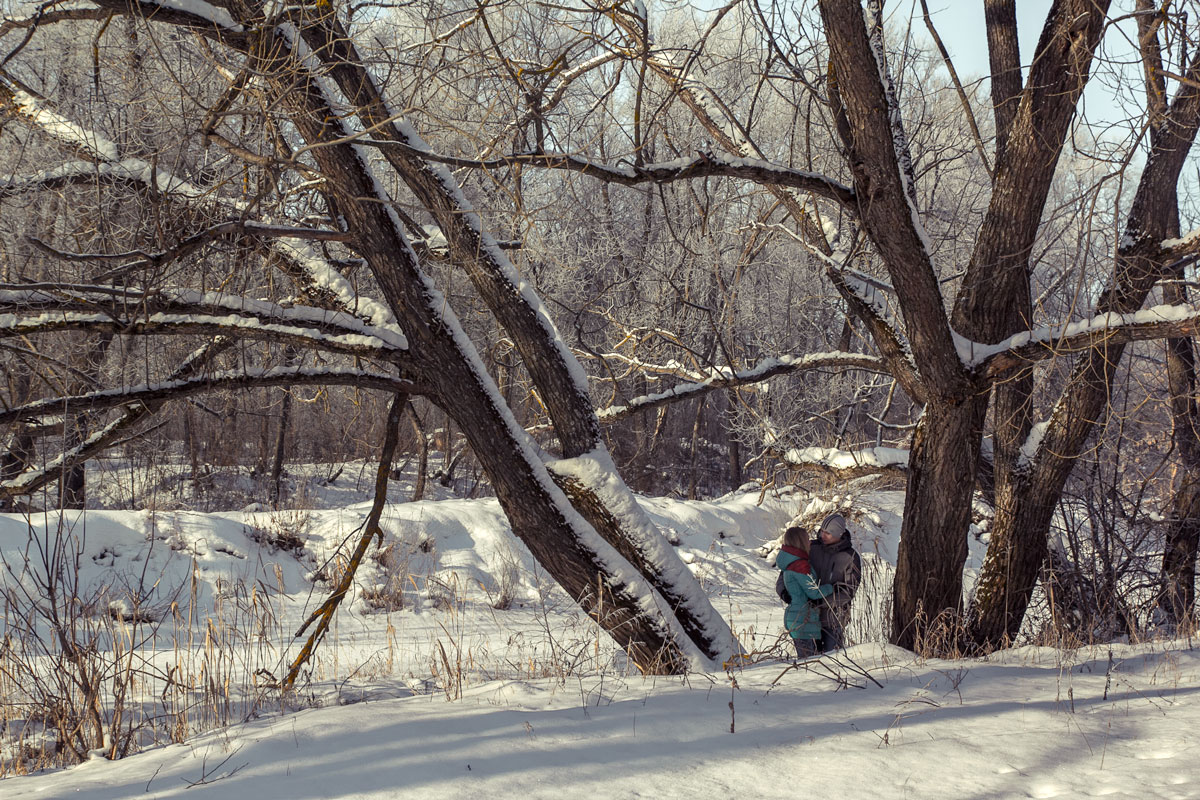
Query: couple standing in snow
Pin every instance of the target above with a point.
(821, 577)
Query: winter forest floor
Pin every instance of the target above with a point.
(458, 669)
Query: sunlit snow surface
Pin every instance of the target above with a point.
(1030, 722)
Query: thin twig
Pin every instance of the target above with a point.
(370, 529)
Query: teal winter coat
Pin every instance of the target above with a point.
(802, 617)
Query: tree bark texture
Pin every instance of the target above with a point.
(1178, 598)
(1020, 528)
(1004, 56)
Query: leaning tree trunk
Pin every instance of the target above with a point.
(443, 359)
(559, 377)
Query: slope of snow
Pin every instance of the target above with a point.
(458, 669)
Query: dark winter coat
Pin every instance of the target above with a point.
(802, 616)
(838, 565)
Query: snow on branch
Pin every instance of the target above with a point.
(71, 173)
(904, 159)
(993, 362)
(189, 323)
(317, 278)
(53, 307)
(1186, 245)
(172, 389)
(867, 298)
(354, 91)
(32, 480)
(204, 17)
(724, 378)
(32, 108)
(846, 464)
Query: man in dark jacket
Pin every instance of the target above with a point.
(836, 562)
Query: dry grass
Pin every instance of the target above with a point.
(104, 670)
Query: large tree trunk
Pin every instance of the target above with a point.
(927, 602)
(994, 302)
(927, 590)
(541, 516)
(1178, 597)
(560, 379)
(1004, 55)
(1027, 494)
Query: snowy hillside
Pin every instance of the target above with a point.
(457, 669)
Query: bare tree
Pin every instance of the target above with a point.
(574, 513)
(966, 343)
(755, 142)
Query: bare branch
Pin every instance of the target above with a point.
(317, 279)
(156, 393)
(44, 17)
(370, 531)
(704, 165)
(958, 88)
(222, 230)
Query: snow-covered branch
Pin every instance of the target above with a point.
(845, 464)
(207, 19)
(865, 297)
(728, 379)
(319, 281)
(173, 389)
(993, 362)
(27, 105)
(55, 307)
(1183, 247)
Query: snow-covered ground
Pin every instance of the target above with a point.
(458, 668)
(1033, 723)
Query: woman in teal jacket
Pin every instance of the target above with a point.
(802, 617)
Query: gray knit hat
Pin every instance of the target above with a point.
(835, 524)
